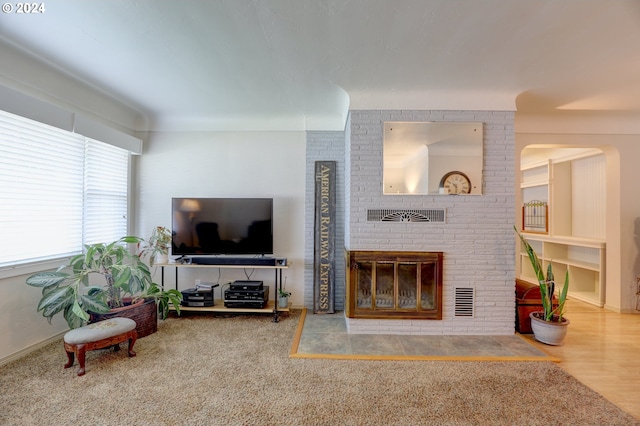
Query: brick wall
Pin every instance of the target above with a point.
(477, 238)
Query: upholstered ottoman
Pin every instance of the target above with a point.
(99, 335)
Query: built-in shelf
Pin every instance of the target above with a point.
(586, 269)
(534, 184)
(555, 182)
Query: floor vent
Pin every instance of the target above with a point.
(464, 302)
(404, 215)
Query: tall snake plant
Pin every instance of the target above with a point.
(547, 284)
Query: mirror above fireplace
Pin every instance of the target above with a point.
(434, 158)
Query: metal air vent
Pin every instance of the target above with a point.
(406, 215)
(465, 300)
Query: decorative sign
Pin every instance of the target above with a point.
(324, 241)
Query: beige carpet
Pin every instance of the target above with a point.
(205, 370)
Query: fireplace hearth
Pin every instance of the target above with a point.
(384, 284)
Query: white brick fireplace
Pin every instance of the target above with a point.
(476, 237)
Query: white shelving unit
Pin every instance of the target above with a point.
(583, 258)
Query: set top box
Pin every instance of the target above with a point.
(246, 294)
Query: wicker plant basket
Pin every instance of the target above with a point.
(145, 314)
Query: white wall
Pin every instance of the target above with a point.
(21, 326)
(227, 164)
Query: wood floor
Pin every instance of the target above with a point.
(602, 350)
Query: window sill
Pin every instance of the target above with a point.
(31, 268)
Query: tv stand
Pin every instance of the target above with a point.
(277, 265)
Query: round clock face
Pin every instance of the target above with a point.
(456, 183)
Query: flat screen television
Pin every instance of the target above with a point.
(222, 226)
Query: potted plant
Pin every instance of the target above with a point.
(549, 325)
(283, 298)
(157, 246)
(128, 287)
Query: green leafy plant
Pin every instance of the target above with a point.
(158, 243)
(71, 290)
(546, 284)
(283, 293)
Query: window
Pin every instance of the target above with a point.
(106, 178)
(58, 191)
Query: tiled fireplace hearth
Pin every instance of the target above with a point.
(398, 285)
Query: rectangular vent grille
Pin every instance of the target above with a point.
(406, 215)
(464, 302)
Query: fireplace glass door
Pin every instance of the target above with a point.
(394, 285)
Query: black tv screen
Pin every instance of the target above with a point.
(222, 226)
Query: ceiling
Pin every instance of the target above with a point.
(302, 64)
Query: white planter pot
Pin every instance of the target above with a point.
(551, 333)
(283, 302)
(161, 258)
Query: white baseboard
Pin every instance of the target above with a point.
(29, 349)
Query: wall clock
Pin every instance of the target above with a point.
(455, 183)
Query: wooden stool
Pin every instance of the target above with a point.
(99, 335)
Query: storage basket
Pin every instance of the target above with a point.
(144, 314)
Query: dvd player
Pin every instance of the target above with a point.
(247, 294)
(246, 285)
(246, 298)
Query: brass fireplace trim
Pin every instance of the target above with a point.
(432, 261)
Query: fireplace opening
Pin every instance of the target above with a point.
(383, 284)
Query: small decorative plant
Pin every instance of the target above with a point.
(157, 244)
(283, 297)
(69, 290)
(546, 284)
(283, 293)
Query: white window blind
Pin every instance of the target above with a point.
(106, 200)
(55, 194)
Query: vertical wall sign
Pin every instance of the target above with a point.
(324, 238)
